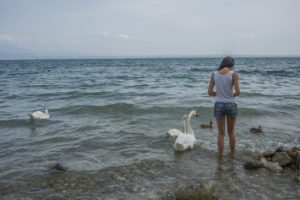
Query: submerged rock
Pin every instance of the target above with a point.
(166, 195)
(196, 190)
(253, 164)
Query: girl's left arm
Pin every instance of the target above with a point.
(211, 86)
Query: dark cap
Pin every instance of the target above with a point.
(227, 62)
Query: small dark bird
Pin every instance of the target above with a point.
(256, 130)
(206, 125)
(59, 167)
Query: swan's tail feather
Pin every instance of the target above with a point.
(31, 115)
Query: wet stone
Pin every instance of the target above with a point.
(297, 179)
(253, 164)
(292, 154)
(268, 153)
(196, 190)
(296, 148)
(282, 158)
(279, 149)
(274, 166)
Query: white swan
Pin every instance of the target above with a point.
(186, 140)
(39, 115)
(175, 132)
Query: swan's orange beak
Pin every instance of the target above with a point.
(197, 114)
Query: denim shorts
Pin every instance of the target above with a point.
(225, 109)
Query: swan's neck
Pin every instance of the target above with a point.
(189, 127)
(184, 125)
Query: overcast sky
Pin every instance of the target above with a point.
(152, 27)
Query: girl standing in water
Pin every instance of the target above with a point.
(226, 82)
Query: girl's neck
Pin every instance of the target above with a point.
(224, 70)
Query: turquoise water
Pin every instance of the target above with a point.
(108, 124)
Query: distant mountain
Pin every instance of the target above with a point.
(11, 52)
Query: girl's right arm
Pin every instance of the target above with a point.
(236, 84)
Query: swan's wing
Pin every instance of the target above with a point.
(174, 132)
(184, 141)
(39, 115)
(180, 144)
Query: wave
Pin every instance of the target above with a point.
(194, 69)
(252, 112)
(279, 72)
(139, 86)
(25, 122)
(135, 110)
(94, 109)
(62, 95)
(81, 94)
(14, 122)
(76, 94)
(120, 108)
(257, 94)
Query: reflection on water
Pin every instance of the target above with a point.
(227, 178)
(33, 126)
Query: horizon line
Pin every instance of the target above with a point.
(151, 56)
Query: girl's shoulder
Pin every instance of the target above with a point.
(235, 75)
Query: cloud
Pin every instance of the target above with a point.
(244, 35)
(70, 41)
(12, 39)
(124, 36)
(6, 38)
(104, 33)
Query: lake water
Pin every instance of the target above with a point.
(108, 124)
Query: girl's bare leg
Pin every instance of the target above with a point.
(221, 134)
(230, 129)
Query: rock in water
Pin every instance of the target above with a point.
(279, 149)
(297, 179)
(196, 190)
(282, 158)
(268, 153)
(274, 166)
(253, 164)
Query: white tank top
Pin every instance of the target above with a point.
(224, 87)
